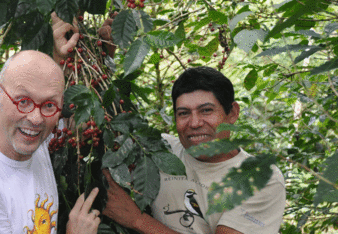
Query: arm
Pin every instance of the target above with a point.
(81, 219)
(61, 44)
(226, 230)
(123, 210)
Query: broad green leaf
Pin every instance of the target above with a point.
(161, 39)
(93, 6)
(109, 96)
(270, 70)
(135, 56)
(331, 174)
(238, 18)
(330, 28)
(45, 6)
(146, 181)
(328, 66)
(217, 17)
(38, 30)
(243, 9)
(121, 175)
(303, 219)
(154, 58)
(3, 13)
(146, 22)
(97, 112)
(104, 228)
(168, 163)
(309, 33)
(331, 196)
(216, 147)
(307, 53)
(75, 90)
(108, 137)
(278, 50)
(66, 10)
(180, 32)
(109, 62)
(308, 7)
(160, 22)
(123, 28)
(246, 39)
(210, 48)
(165, 117)
(82, 114)
(250, 79)
(141, 92)
(199, 24)
(113, 159)
(240, 183)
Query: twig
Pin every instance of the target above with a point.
(331, 85)
(170, 52)
(5, 34)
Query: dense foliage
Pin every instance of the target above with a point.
(281, 56)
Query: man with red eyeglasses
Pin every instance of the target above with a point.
(31, 98)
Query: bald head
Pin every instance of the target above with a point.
(32, 62)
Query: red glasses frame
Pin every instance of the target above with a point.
(35, 105)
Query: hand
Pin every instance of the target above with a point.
(105, 33)
(120, 207)
(80, 219)
(61, 44)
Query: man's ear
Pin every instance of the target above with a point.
(234, 113)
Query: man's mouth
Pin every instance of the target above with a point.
(198, 137)
(29, 133)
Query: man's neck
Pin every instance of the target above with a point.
(219, 158)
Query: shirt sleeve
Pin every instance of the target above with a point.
(260, 214)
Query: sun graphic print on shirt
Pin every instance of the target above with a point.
(42, 217)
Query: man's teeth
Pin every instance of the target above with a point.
(29, 132)
(198, 138)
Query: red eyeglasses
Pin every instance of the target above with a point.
(27, 105)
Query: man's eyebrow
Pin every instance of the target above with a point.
(198, 107)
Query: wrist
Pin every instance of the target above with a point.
(142, 222)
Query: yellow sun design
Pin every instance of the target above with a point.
(42, 219)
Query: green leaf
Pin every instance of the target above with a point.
(246, 39)
(307, 53)
(154, 58)
(238, 18)
(121, 175)
(331, 174)
(97, 112)
(146, 181)
(217, 17)
(146, 21)
(305, 8)
(93, 6)
(240, 183)
(109, 96)
(168, 163)
(45, 6)
(330, 28)
(108, 137)
(210, 48)
(165, 117)
(161, 39)
(250, 79)
(66, 10)
(160, 22)
(180, 32)
(123, 28)
(216, 147)
(270, 70)
(141, 92)
(303, 219)
(75, 90)
(328, 66)
(3, 13)
(113, 159)
(82, 114)
(135, 56)
(278, 50)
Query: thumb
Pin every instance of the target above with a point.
(110, 180)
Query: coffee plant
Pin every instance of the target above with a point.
(282, 58)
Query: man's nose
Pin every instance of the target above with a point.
(196, 121)
(35, 117)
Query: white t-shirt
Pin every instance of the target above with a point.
(28, 194)
(175, 205)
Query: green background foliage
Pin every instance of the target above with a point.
(281, 57)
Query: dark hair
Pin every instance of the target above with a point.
(207, 79)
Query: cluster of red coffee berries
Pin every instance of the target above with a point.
(92, 132)
(135, 3)
(211, 27)
(222, 62)
(59, 139)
